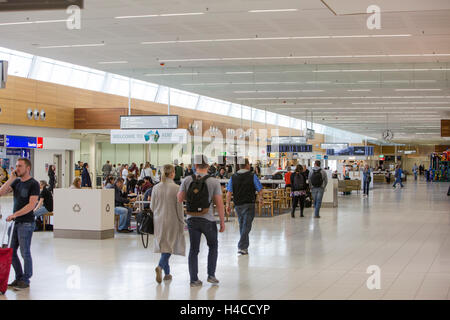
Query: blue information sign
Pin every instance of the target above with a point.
(21, 142)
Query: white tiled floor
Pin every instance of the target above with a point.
(403, 231)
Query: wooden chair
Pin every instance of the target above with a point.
(288, 199)
(269, 202)
(278, 198)
(46, 219)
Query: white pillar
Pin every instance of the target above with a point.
(92, 160)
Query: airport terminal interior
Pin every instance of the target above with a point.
(323, 125)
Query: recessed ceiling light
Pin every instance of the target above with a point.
(161, 15)
(272, 10)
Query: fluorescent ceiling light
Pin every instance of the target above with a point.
(73, 46)
(161, 15)
(31, 22)
(273, 91)
(418, 89)
(270, 39)
(424, 55)
(359, 90)
(112, 62)
(272, 10)
(239, 72)
(173, 74)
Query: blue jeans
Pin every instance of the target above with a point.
(40, 212)
(164, 262)
(415, 175)
(125, 217)
(398, 180)
(246, 214)
(366, 186)
(21, 238)
(317, 194)
(197, 227)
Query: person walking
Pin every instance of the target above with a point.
(299, 188)
(367, 178)
(124, 172)
(106, 169)
(178, 173)
(188, 171)
(398, 176)
(318, 180)
(415, 171)
(243, 186)
(86, 177)
(26, 193)
(201, 192)
(51, 178)
(168, 219)
(148, 172)
(287, 177)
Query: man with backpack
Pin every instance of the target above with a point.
(299, 188)
(243, 185)
(178, 173)
(318, 180)
(201, 192)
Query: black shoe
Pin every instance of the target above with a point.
(317, 217)
(21, 285)
(302, 216)
(125, 231)
(292, 215)
(13, 284)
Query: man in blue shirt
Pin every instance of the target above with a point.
(243, 185)
(398, 176)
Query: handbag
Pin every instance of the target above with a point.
(146, 227)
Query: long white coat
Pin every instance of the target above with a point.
(168, 219)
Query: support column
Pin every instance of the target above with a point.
(92, 160)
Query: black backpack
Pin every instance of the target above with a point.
(316, 178)
(197, 197)
(299, 182)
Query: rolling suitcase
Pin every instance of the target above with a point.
(5, 260)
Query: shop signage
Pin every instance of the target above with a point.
(149, 122)
(149, 136)
(318, 156)
(288, 140)
(381, 156)
(335, 146)
(21, 142)
(2, 140)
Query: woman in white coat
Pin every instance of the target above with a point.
(168, 221)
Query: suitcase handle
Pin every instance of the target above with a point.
(10, 235)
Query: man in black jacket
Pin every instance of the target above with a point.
(120, 199)
(243, 185)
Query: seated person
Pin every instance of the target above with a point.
(76, 184)
(109, 183)
(148, 183)
(147, 197)
(131, 183)
(120, 199)
(45, 204)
